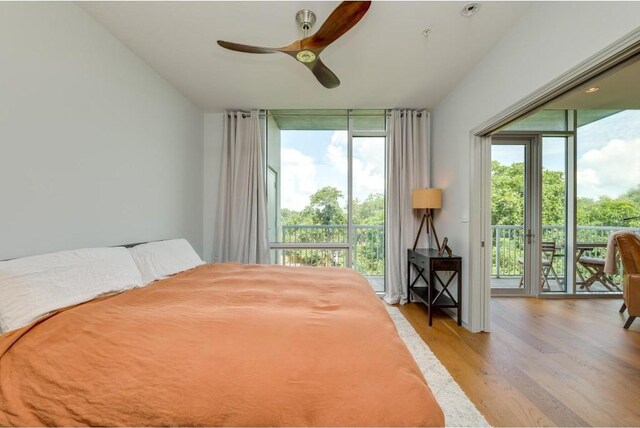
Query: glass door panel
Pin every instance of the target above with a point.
(368, 208)
(510, 224)
(326, 190)
(608, 191)
(553, 244)
(313, 193)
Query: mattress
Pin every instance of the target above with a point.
(219, 345)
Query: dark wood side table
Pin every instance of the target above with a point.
(427, 262)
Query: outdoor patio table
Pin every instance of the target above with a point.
(594, 266)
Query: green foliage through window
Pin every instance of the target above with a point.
(507, 216)
(323, 219)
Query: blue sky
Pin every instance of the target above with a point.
(315, 159)
(608, 160)
(608, 155)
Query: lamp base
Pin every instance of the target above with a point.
(429, 219)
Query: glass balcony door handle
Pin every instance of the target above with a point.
(528, 235)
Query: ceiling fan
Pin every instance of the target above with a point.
(308, 49)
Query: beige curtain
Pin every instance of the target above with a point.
(407, 168)
(241, 222)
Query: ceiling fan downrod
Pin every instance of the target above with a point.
(306, 19)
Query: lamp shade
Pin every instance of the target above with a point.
(426, 198)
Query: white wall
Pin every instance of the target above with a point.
(549, 40)
(212, 157)
(95, 147)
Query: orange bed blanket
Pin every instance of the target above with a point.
(220, 345)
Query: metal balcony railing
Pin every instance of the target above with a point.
(508, 245)
(367, 247)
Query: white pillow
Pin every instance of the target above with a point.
(158, 260)
(31, 287)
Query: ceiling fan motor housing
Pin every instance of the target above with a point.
(306, 19)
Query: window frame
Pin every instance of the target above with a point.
(348, 245)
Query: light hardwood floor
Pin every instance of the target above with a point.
(546, 362)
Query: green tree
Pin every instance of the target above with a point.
(508, 206)
(507, 199)
(325, 208)
(369, 241)
(607, 211)
(633, 195)
(285, 214)
(553, 197)
(507, 203)
(370, 211)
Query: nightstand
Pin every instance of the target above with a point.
(428, 264)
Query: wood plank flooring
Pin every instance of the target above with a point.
(547, 362)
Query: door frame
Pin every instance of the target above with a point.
(480, 175)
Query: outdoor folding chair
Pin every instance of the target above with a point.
(548, 252)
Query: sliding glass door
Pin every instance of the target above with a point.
(327, 189)
(584, 186)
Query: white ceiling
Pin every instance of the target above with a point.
(382, 62)
(619, 90)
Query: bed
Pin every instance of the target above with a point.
(219, 345)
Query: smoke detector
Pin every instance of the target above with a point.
(470, 9)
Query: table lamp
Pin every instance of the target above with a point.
(426, 199)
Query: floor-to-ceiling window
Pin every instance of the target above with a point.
(326, 189)
(585, 184)
(553, 207)
(607, 188)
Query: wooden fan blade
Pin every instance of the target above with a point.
(245, 48)
(345, 16)
(324, 75)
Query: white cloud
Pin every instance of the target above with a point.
(303, 175)
(337, 152)
(298, 180)
(610, 170)
(368, 162)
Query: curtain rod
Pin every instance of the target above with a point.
(246, 114)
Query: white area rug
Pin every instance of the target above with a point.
(459, 411)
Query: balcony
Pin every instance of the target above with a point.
(367, 249)
(508, 249)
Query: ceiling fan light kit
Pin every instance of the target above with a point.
(307, 50)
(305, 57)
